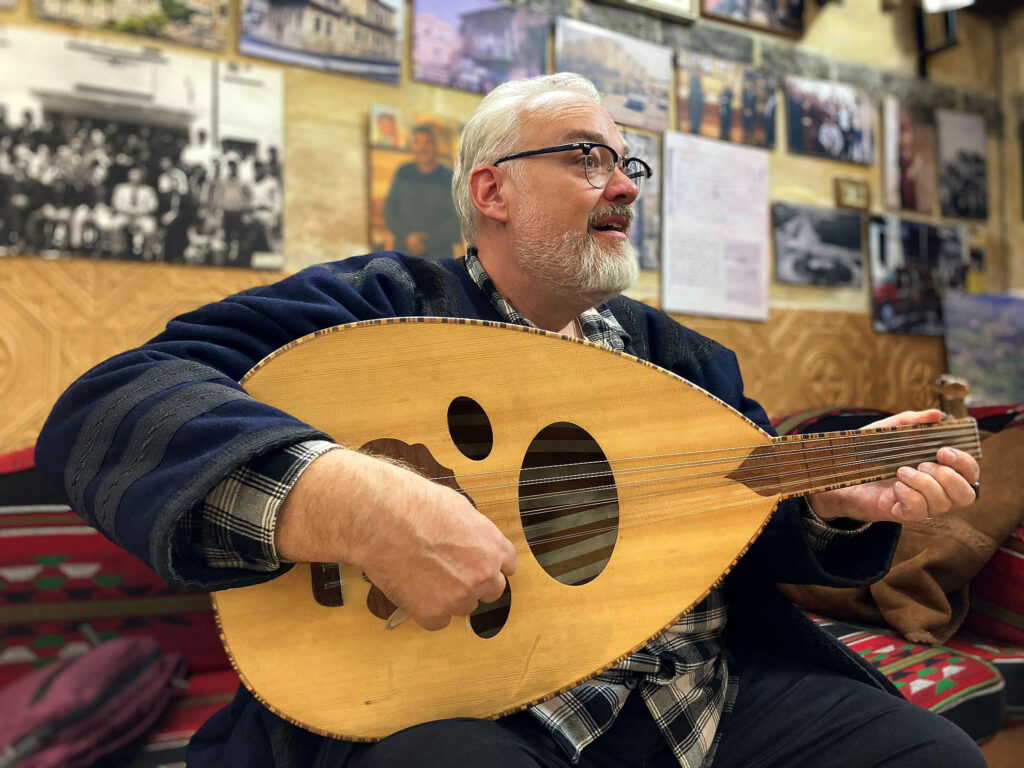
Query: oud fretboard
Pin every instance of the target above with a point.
(797, 465)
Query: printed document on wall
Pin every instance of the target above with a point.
(715, 253)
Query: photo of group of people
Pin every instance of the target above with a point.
(633, 76)
(963, 180)
(724, 100)
(174, 159)
(475, 45)
(830, 120)
(411, 206)
(772, 15)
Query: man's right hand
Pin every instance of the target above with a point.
(424, 545)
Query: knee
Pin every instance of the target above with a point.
(945, 744)
(457, 742)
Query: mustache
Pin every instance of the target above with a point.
(615, 209)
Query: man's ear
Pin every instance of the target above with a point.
(486, 189)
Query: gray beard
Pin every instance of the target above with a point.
(576, 265)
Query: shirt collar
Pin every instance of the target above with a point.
(599, 325)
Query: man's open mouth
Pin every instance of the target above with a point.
(612, 224)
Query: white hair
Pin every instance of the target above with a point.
(492, 132)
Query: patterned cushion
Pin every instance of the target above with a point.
(995, 418)
(64, 586)
(1008, 659)
(962, 688)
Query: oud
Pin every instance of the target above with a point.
(628, 492)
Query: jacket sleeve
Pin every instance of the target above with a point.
(141, 439)
(783, 549)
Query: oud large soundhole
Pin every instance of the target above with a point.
(568, 503)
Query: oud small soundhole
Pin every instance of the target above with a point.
(568, 503)
(489, 618)
(470, 428)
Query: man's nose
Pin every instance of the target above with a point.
(621, 188)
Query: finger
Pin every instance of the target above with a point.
(494, 589)
(433, 623)
(908, 417)
(511, 561)
(910, 506)
(962, 462)
(953, 484)
(935, 500)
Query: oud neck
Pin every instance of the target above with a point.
(798, 465)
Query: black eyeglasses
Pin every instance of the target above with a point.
(599, 161)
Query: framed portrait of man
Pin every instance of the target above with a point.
(411, 161)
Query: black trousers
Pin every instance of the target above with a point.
(786, 716)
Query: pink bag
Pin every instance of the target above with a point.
(71, 713)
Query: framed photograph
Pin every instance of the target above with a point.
(913, 265)
(634, 77)
(476, 45)
(786, 16)
(134, 154)
(365, 41)
(831, 120)
(963, 182)
(673, 9)
(199, 23)
(411, 208)
(725, 100)
(645, 234)
(817, 246)
(909, 161)
(984, 336)
(853, 193)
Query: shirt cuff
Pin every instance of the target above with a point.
(820, 533)
(239, 516)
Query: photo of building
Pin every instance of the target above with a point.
(632, 76)
(356, 37)
(200, 23)
(476, 45)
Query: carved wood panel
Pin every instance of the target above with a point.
(58, 319)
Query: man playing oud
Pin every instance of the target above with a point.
(162, 449)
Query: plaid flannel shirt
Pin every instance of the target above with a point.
(682, 674)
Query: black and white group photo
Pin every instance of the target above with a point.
(163, 157)
(963, 179)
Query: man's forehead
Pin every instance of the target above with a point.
(564, 118)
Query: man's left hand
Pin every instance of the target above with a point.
(915, 494)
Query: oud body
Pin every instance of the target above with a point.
(687, 475)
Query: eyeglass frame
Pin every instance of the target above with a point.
(585, 147)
